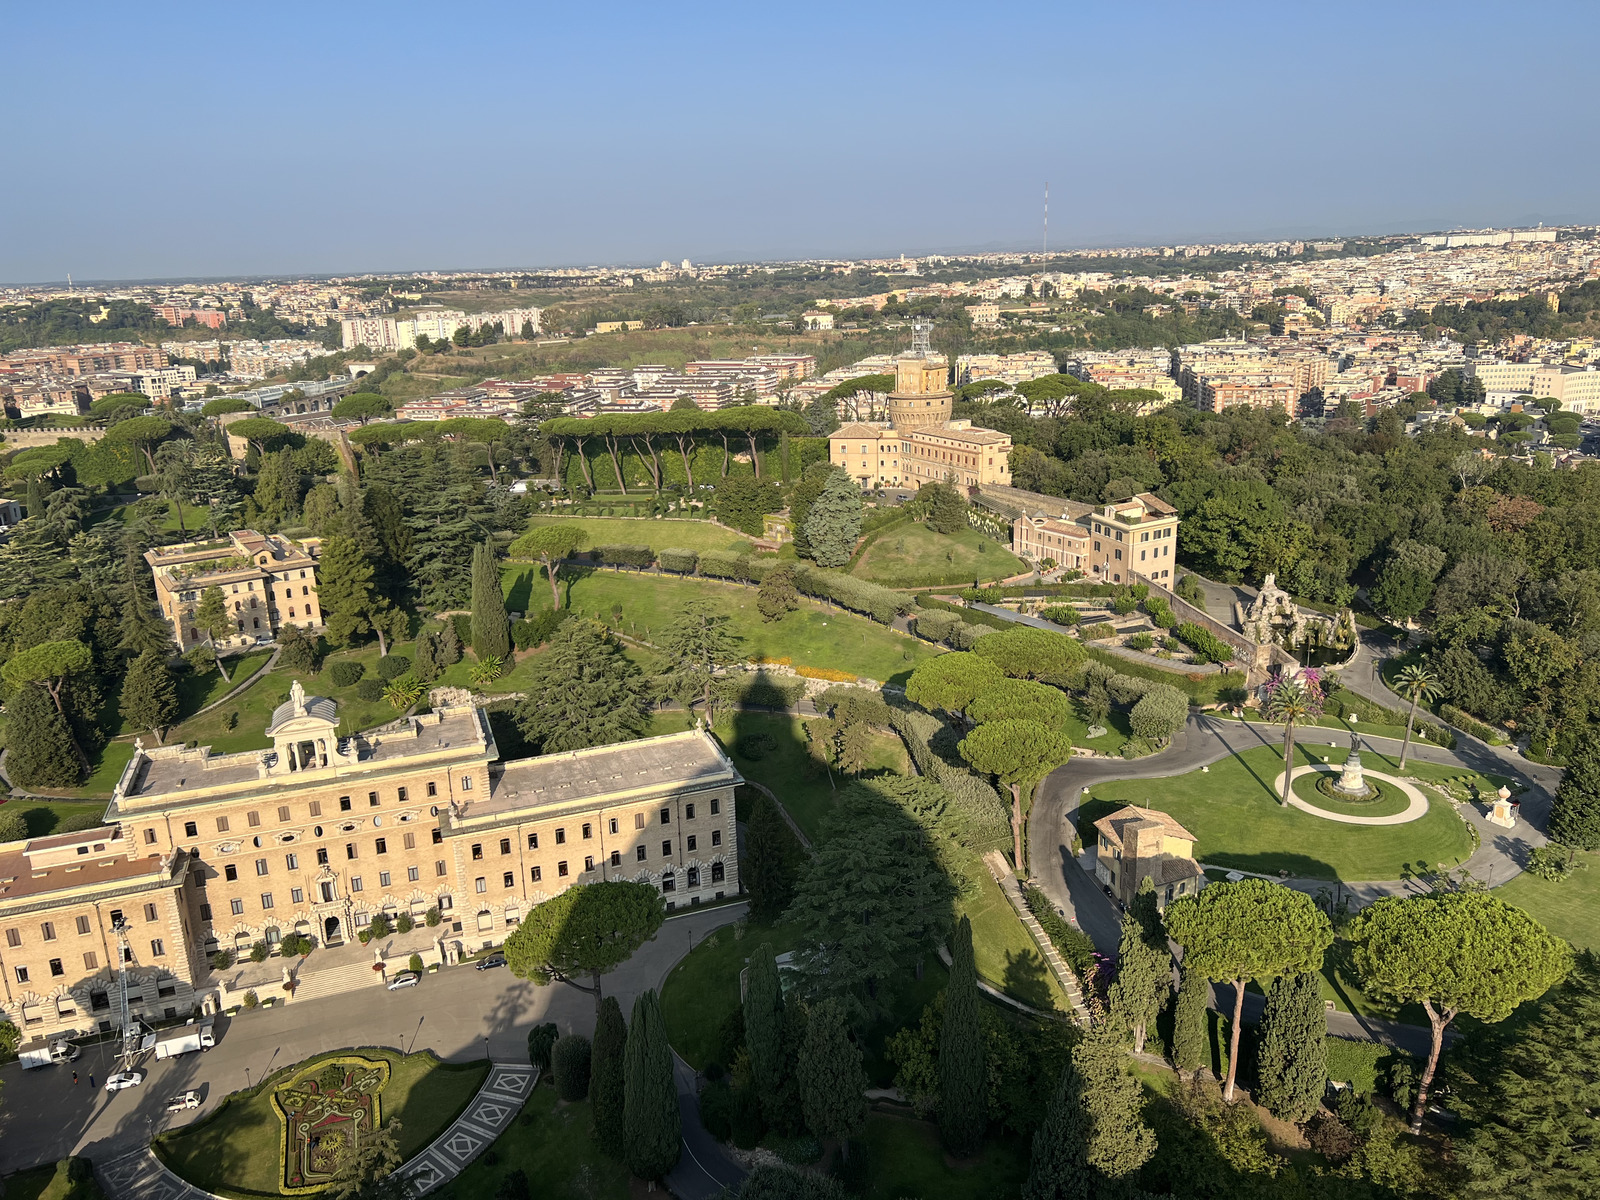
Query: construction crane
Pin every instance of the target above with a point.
(130, 1031)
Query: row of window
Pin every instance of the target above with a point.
(47, 929)
(91, 961)
(509, 880)
(191, 829)
(614, 827)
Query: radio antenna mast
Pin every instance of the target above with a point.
(1047, 218)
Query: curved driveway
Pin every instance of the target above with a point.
(1206, 740)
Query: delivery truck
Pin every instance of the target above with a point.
(58, 1051)
(182, 1041)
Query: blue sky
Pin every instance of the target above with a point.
(157, 140)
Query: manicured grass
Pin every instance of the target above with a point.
(552, 1145)
(1387, 802)
(810, 636)
(197, 691)
(1232, 811)
(662, 534)
(235, 1151)
(1570, 908)
(913, 555)
(1002, 949)
(703, 989)
(1364, 728)
(1118, 730)
(905, 1159)
(43, 1183)
(44, 817)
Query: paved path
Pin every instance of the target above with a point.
(1415, 810)
(463, 1015)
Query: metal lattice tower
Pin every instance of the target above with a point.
(921, 339)
(130, 1036)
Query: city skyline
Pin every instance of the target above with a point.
(339, 142)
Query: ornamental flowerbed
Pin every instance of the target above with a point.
(325, 1110)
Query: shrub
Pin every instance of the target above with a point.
(716, 1109)
(432, 917)
(1141, 641)
(1552, 863)
(414, 963)
(1470, 724)
(934, 626)
(882, 604)
(404, 924)
(1160, 612)
(347, 674)
(637, 557)
(392, 666)
(537, 630)
(369, 690)
(258, 952)
(1097, 631)
(222, 960)
(569, 1063)
(1159, 714)
(986, 595)
(1204, 643)
(1357, 1063)
(1136, 747)
(294, 945)
(1075, 946)
(541, 1038)
(251, 999)
(682, 562)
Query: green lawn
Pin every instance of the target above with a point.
(42, 1183)
(1118, 730)
(1387, 802)
(1002, 948)
(905, 1159)
(552, 1145)
(235, 1150)
(1233, 812)
(810, 636)
(663, 534)
(1570, 908)
(913, 555)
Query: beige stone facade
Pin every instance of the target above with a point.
(1136, 537)
(267, 580)
(1134, 844)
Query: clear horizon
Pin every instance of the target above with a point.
(371, 139)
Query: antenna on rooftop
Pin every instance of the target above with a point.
(1047, 218)
(921, 339)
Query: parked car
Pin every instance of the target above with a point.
(187, 1100)
(491, 960)
(124, 1079)
(404, 980)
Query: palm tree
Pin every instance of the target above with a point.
(1291, 702)
(1416, 683)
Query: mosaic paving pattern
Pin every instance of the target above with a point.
(140, 1176)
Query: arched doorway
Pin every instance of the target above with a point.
(330, 930)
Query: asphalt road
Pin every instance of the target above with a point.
(460, 1014)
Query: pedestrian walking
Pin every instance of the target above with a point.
(74, 1077)
(91, 1078)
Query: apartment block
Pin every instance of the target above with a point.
(267, 581)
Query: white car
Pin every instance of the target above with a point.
(187, 1100)
(124, 1079)
(404, 980)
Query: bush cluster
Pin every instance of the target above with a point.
(569, 1063)
(1470, 724)
(1160, 612)
(638, 557)
(369, 690)
(1203, 642)
(346, 674)
(1075, 946)
(1098, 631)
(392, 666)
(678, 561)
(537, 629)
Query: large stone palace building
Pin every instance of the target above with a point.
(1132, 539)
(920, 443)
(267, 581)
(320, 833)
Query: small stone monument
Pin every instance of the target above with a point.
(1500, 811)
(1352, 781)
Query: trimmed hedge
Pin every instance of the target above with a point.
(638, 557)
(1074, 945)
(873, 600)
(971, 616)
(678, 561)
(1470, 724)
(1204, 643)
(569, 1063)
(347, 674)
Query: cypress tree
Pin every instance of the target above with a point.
(140, 629)
(606, 1076)
(650, 1118)
(1058, 1168)
(1292, 1063)
(763, 1029)
(1191, 1048)
(1528, 1091)
(491, 629)
(1575, 816)
(425, 658)
(963, 1074)
(1119, 1140)
(449, 644)
(769, 866)
(149, 694)
(834, 522)
(832, 1082)
(1144, 968)
(45, 758)
(36, 495)
(789, 1116)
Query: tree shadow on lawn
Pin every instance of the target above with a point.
(1273, 863)
(1026, 979)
